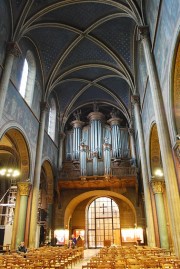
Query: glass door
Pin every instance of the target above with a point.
(103, 222)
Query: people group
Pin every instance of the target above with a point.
(73, 242)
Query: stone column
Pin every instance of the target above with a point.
(37, 172)
(132, 143)
(158, 188)
(164, 138)
(12, 51)
(24, 188)
(62, 136)
(147, 195)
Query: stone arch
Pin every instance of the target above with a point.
(173, 80)
(49, 180)
(14, 146)
(155, 153)
(45, 200)
(94, 194)
(176, 92)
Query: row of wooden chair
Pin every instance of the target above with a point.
(133, 258)
(42, 258)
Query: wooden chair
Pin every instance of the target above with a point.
(168, 266)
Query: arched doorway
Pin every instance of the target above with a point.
(76, 217)
(103, 225)
(155, 153)
(14, 167)
(45, 203)
(158, 188)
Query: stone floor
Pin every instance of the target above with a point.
(88, 253)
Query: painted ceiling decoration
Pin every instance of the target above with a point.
(85, 49)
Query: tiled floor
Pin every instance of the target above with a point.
(88, 253)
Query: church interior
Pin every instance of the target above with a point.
(90, 123)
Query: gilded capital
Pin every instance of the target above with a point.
(14, 49)
(157, 186)
(24, 188)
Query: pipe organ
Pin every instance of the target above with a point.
(97, 143)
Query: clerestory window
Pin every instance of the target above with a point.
(28, 78)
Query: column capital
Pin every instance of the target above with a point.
(13, 48)
(62, 135)
(131, 131)
(135, 99)
(24, 188)
(157, 185)
(44, 106)
(143, 32)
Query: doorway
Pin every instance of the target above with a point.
(103, 223)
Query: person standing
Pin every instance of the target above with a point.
(73, 238)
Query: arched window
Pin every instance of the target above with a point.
(103, 222)
(28, 78)
(52, 119)
(24, 79)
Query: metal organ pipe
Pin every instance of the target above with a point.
(77, 132)
(115, 129)
(96, 118)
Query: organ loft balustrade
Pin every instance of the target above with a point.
(123, 174)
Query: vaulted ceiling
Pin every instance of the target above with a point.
(85, 50)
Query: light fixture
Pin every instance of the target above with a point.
(9, 172)
(159, 173)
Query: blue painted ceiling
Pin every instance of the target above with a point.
(85, 49)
